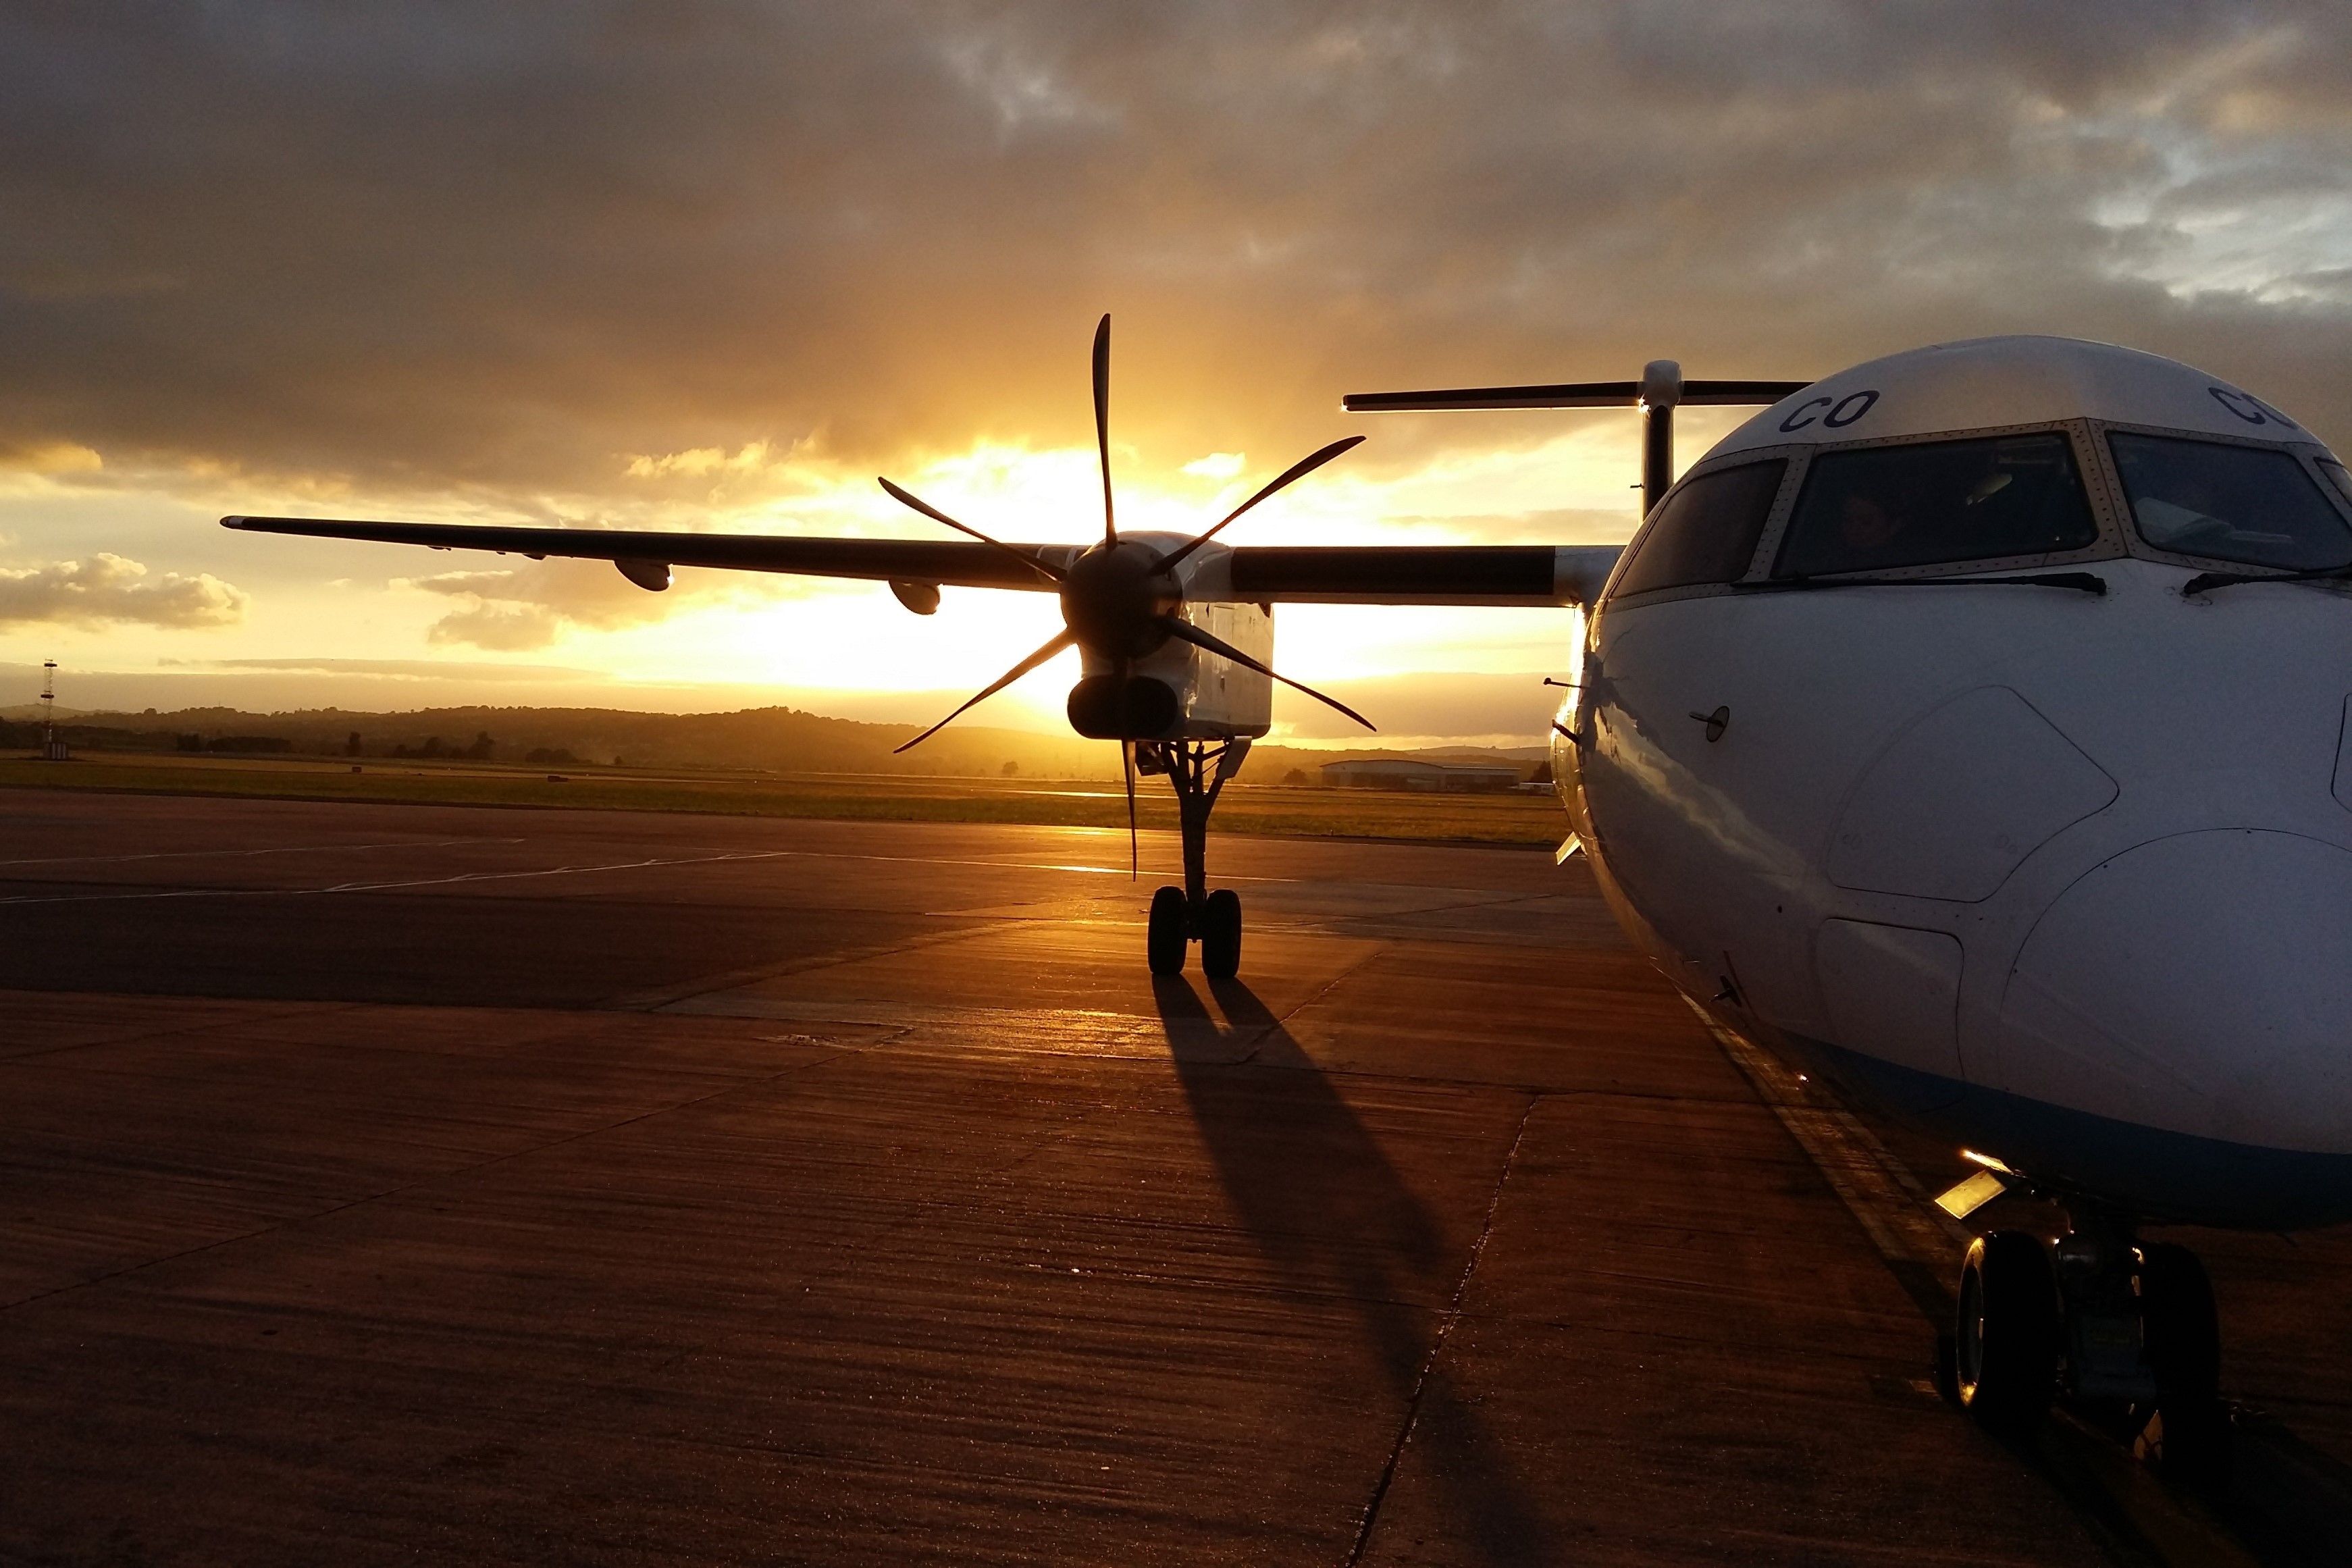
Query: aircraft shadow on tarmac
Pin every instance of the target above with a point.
(1331, 1214)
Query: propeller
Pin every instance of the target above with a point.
(1297, 471)
(1185, 631)
(907, 498)
(1102, 421)
(1120, 600)
(1126, 771)
(1054, 645)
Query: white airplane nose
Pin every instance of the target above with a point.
(2200, 985)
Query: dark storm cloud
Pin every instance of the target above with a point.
(510, 245)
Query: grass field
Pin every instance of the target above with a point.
(1519, 818)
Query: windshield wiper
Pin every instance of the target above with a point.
(2205, 580)
(2080, 581)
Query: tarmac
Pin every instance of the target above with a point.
(395, 1184)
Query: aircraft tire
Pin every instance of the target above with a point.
(2182, 1335)
(2178, 1322)
(2007, 1332)
(1221, 935)
(1163, 941)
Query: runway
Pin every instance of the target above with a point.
(391, 1184)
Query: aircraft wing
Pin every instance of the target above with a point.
(1421, 574)
(1330, 574)
(947, 562)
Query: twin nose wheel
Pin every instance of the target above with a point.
(1174, 924)
(2126, 1326)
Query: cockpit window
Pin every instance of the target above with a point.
(2336, 476)
(1707, 530)
(2249, 504)
(1935, 502)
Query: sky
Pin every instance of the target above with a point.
(717, 265)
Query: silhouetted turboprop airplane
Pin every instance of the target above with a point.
(1971, 727)
(1174, 635)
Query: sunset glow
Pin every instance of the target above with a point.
(721, 277)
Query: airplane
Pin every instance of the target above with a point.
(1174, 633)
(1972, 727)
(1968, 728)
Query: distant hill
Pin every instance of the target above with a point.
(778, 740)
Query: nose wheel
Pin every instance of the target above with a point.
(2189, 1436)
(2006, 1335)
(1174, 926)
(1180, 916)
(2124, 1329)
(1164, 939)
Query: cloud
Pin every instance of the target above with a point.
(498, 627)
(109, 589)
(48, 457)
(503, 250)
(751, 457)
(392, 669)
(524, 608)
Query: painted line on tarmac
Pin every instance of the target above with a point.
(273, 850)
(653, 862)
(649, 863)
(2125, 1509)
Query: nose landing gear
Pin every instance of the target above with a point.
(1180, 916)
(2125, 1331)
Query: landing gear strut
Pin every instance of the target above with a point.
(1180, 916)
(2123, 1329)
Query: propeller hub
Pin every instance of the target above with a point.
(1115, 600)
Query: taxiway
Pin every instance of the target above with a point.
(388, 1183)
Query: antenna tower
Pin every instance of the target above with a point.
(52, 748)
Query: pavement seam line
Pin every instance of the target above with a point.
(1282, 1020)
(661, 997)
(238, 854)
(456, 878)
(422, 1182)
(651, 862)
(1445, 1321)
(165, 1032)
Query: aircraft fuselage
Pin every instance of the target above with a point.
(2065, 874)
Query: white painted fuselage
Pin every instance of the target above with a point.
(2066, 874)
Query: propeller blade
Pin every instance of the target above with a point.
(1102, 420)
(1061, 640)
(1126, 768)
(1185, 631)
(1297, 471)
(907, 498)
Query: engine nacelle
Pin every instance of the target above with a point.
(1124, 708)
